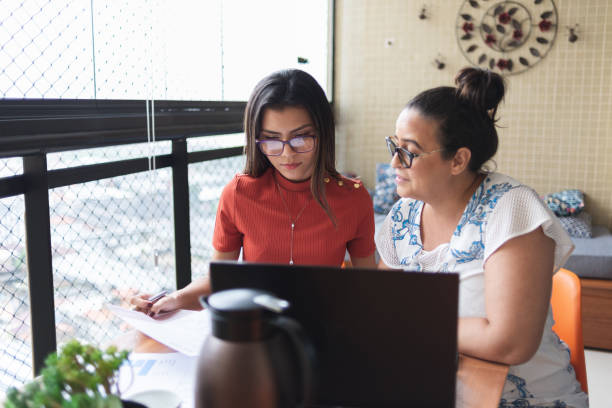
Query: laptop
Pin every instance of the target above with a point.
(382, 338)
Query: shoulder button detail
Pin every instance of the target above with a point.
(340, 183)
(356, 185)
(326, 179)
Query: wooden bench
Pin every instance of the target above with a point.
(597, 313)
(592, 262)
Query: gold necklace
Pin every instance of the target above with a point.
(291, 219)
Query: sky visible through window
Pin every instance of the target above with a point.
(156, 49)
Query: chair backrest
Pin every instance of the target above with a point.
(566, 306)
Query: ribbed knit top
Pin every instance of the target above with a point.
(252, 215)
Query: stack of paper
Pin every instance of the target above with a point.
(183, 331)
(174, 372)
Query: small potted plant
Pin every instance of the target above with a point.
(80, 376)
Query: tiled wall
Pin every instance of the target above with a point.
(556, 122)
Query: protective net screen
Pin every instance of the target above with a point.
(110, 238)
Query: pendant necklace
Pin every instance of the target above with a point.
(293, 221)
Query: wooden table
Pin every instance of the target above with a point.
(479, 382)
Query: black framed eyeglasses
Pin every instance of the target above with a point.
(405, 157)
(275, 147)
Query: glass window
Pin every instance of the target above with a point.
(262, 36)
(144, 49)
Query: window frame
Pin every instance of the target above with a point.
(29, 126)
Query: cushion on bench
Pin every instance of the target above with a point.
(592, 257)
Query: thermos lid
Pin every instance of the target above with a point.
(242, 314)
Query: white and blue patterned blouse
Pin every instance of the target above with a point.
(499, 210)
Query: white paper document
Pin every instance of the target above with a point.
(173, 372)
(183, 331)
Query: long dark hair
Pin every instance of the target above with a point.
(295, 88)
(465, 114)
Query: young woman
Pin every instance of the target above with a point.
(496, 233)
(290, 205)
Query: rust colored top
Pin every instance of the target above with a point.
(252, 215)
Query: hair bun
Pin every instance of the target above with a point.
(483, 89)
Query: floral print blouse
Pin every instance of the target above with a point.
(499, 210)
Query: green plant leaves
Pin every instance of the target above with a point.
(80, 376)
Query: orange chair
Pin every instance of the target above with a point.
(565, 301)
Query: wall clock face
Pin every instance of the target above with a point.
(507, 37)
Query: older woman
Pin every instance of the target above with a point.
(454, 216)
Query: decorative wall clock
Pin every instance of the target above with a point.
(508, 37)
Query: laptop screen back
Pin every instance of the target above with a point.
(382, 338)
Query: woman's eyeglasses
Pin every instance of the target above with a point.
(275, 147)
(405, 157)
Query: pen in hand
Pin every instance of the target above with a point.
(154, 299)
(157, 296)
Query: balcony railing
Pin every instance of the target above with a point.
(91, 208)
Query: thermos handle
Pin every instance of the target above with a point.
(306, 355)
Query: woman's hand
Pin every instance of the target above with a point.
(186, 298)
(168, 303)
